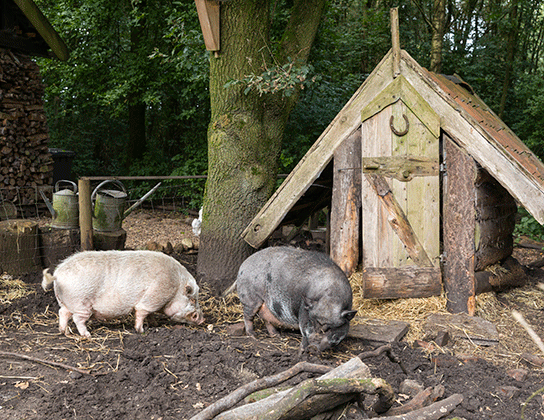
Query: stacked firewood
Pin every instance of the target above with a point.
(26, 163)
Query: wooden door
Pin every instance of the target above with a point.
(400, 195)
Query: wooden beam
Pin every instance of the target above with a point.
(85, 214)
(402, 168)
(395, 40)
(346, 204)
(42, 25)
(459, 225)
(209, 17)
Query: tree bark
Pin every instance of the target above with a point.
(245, 131)
(438, 25)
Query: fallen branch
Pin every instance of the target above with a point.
(239, 394)
(434, 411)
(46, 362)
(389, 353)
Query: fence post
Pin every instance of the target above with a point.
(85, 214)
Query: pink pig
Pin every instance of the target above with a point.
(110, 284)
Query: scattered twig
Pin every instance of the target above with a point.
(534, 336)
(46, 362)
(389, 353)
(239, 394)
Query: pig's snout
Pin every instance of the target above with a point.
(195, 317)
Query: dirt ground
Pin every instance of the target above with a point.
(174, 371)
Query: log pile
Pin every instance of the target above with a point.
(24, 152)
(329, 396)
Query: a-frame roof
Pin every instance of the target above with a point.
(463, 116)
(23, 27)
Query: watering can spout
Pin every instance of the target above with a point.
(49, 205)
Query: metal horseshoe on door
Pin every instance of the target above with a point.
(395, 131)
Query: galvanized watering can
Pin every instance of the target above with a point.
(65, 207)
(109, 206)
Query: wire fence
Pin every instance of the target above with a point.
(39, 225)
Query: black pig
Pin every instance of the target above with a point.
(290, 287)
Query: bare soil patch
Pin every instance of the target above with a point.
(174, 371)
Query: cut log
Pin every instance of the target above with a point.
(58, 244)
(499, 277)
(19, 252)
(104, 241)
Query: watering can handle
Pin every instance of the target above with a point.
(66, 182)
(113, 181)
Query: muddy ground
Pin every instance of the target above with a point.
(174, 371)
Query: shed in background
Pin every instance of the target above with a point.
(425, 183)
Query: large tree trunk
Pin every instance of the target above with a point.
(245, 131)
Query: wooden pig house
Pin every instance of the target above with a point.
(425, 183)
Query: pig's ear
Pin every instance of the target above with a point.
(348, 315)
(189, 289)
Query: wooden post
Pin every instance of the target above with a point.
(459, 215)
(395, 40)
(85, 214)
(346, 204)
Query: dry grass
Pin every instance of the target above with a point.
(12, 289)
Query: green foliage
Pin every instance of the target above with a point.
(284, 79)
(124, 53)
(528, 226)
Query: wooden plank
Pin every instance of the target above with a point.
(422, 206)
(346, 204)
(472, 328)
(401, 282)
(377, 331)
(459, 223)
(376, 252)
(402, 168)
(319, 155)
(469, 134)
(208, 15)
(399, 221)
